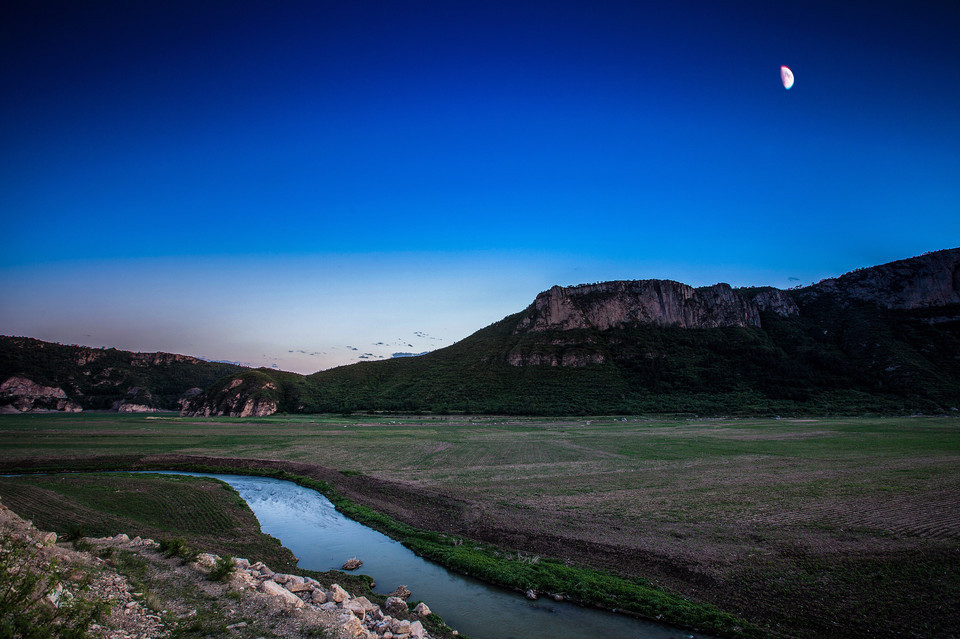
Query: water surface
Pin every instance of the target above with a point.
(322, 539)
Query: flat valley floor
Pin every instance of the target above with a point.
(845, 527)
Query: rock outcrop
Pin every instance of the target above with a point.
(660, 302)
(266, 598)
(137, 400)
(23, 395)
(929, 280)
(359, 617)
(252, 394)
(105, 378)
(774, 300)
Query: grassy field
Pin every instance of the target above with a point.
(207, 512)
(827, 527)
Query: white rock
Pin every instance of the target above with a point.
(416, 630)
(368, 606)
(338, 594)
(355, 607)
(319, 597)
(293, 586)
(352, 626)
(207, 559)
(275, 589)
(422, 610)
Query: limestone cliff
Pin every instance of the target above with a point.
(137, 400)
(660, 302)
(251, 394)
(19, 394)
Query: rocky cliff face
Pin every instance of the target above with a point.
(20, 394)
(249, 395)
(161, 359)
(926, 281)
(931, 280)
(660, 302)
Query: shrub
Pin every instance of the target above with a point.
(223, 568)
(177, 547)
(28, 586)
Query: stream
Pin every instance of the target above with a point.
(322, 539)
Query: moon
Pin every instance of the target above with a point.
(786, 76)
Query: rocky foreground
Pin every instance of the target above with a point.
(142, 593)
(358, 616)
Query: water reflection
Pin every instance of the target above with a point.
(322, 539)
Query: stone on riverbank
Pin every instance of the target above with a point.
(395, 605)
(401, 592)
(338, 594)
(275, 589)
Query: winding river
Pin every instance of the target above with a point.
(322, 539)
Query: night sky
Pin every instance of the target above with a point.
(306, 184)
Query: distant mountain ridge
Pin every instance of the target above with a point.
(920, 282)
(661, 302)
(880, 339)
(930, 280)
(37, 375)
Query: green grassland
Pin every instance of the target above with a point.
(806, 527)
(208, 512)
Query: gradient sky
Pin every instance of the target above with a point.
(305, 184)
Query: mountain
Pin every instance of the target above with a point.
(881, 339)
(37, 375)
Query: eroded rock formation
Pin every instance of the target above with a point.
(660, 302)
(24, 395)
(244, 396)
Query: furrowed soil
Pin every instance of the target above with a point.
(810, 528)
(207, 512)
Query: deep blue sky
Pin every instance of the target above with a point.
(239, 180)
